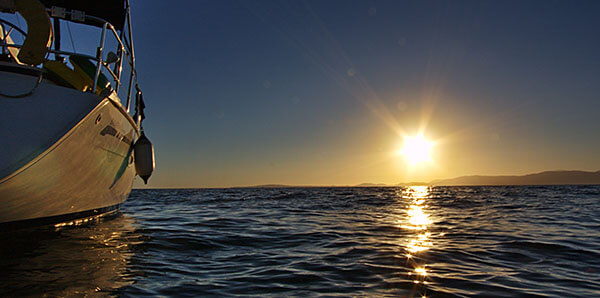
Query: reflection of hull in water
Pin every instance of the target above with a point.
(90, 260)
(66, 154)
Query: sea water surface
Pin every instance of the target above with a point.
(391, 241)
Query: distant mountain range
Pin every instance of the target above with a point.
(371, 184)
(543, 178)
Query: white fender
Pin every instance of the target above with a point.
(144, 157)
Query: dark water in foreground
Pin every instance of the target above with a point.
(401, 242)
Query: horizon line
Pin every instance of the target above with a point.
(400, 184)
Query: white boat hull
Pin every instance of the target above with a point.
(85, 166)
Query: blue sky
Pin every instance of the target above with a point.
(321, 92)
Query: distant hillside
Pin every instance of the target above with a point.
(371, 185)
(543, 178)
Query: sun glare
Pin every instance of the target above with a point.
(416, 149)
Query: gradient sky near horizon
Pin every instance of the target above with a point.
(321, 92)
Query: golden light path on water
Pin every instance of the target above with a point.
(417, 221)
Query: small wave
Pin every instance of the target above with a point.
(478, 241)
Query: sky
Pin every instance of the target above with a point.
(242, 93)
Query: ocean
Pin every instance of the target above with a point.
(510, 241)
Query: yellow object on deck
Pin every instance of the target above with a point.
(61, 74)
(39, 31)
(87, 70)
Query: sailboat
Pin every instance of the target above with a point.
(71, 134)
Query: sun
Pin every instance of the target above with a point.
(417, 149)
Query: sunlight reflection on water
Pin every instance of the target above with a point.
(418, 222)
(70, 260)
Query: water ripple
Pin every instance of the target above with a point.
(382, 241)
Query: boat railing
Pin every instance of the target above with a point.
(124, 52)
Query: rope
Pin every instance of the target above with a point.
(37, 84)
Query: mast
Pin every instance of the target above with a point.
(128, 15)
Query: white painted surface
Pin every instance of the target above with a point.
(30, 125)
(80, 170)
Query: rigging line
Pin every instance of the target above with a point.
(71, 36)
